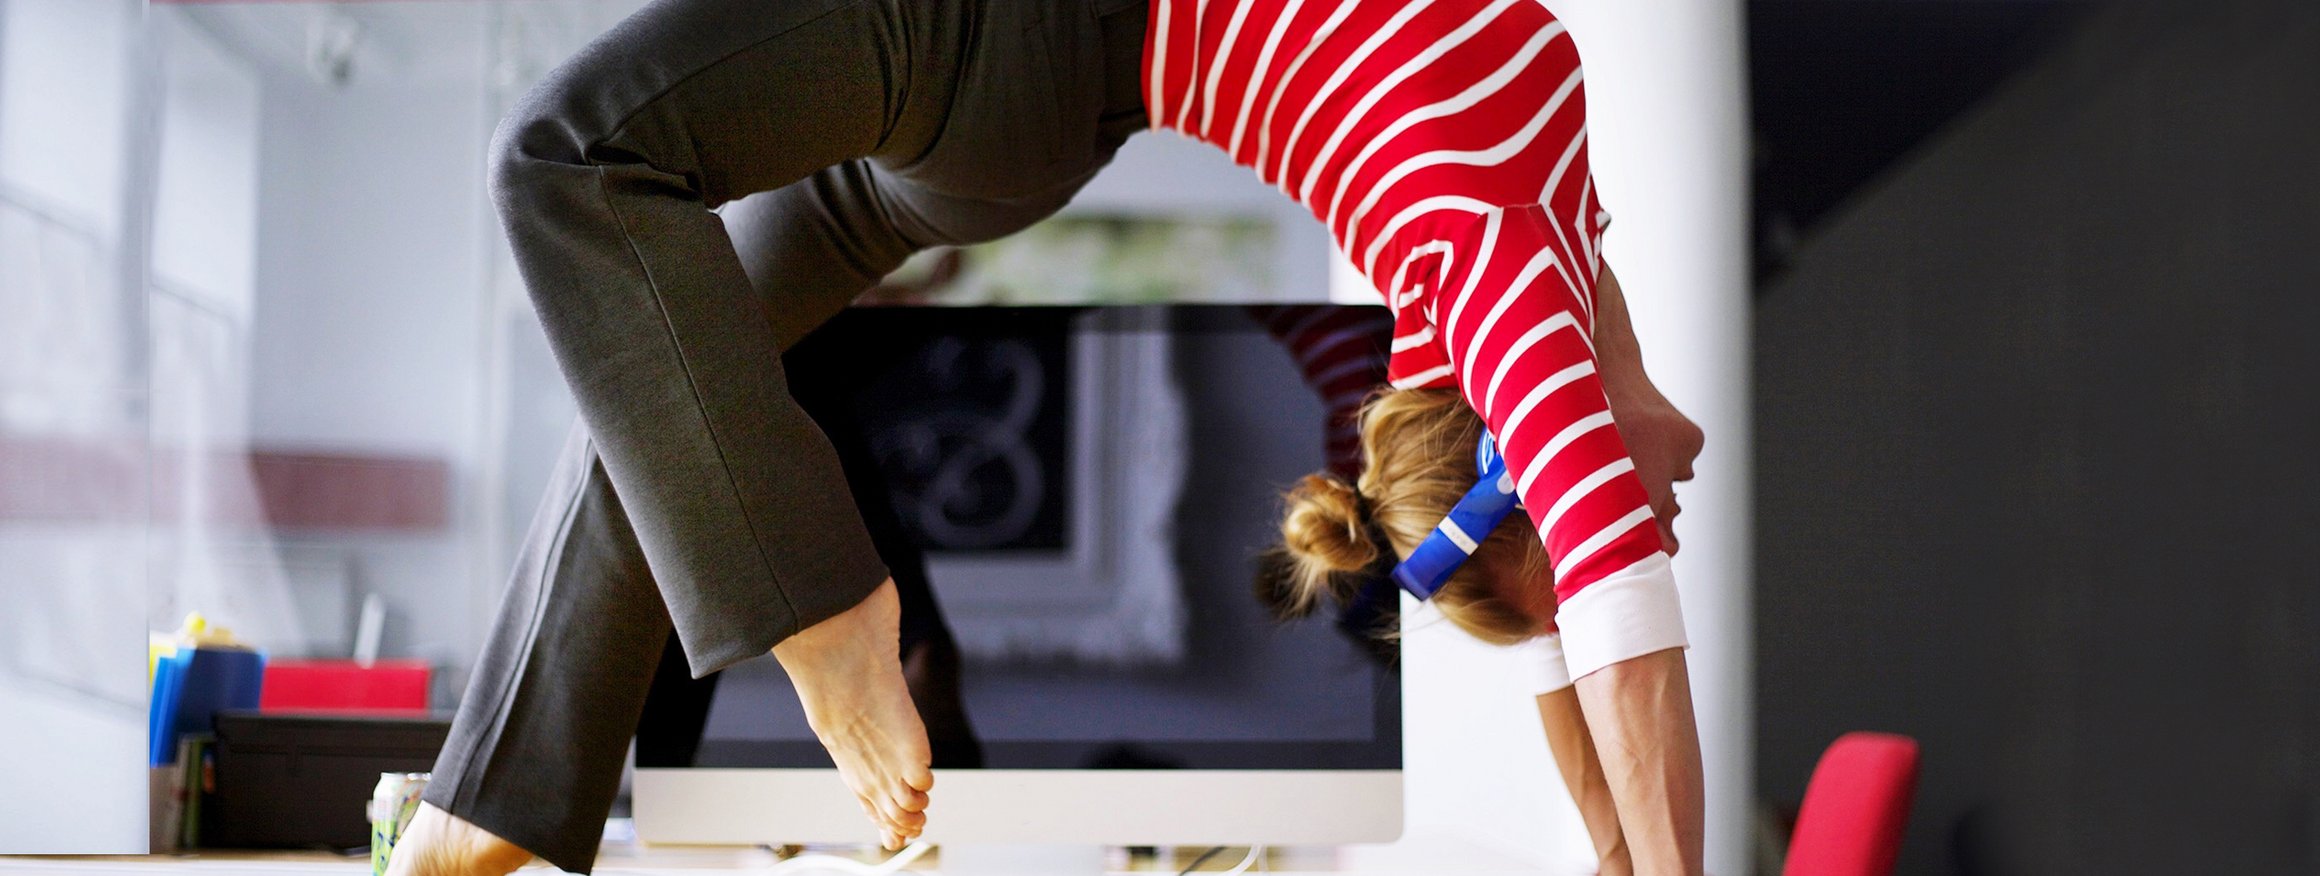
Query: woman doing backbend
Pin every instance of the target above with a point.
(703, 184)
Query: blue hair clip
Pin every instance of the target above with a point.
(1469, 522)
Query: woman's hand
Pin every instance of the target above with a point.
(1660, 439)
(1662, 442)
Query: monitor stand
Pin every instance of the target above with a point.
(979, 859)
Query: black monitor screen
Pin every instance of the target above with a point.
(1074, 502)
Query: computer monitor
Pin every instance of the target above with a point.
(1091, 489)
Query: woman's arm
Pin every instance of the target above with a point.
(1582, 772)
(1519, 324)
(1641, 708)
(1639, 711)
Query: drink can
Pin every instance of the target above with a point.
(392, 804)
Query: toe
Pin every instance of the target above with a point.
(893, 816)
(919, 777)
(910, 821)
(911, 799)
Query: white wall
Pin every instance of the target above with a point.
(198, 314)
(373, 234)
(205, 202)
(370, 267)
(66, 90)
(71, 668)
(64, 151)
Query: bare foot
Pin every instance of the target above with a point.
(438, 843)
(848, 674)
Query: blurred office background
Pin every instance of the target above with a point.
(1993, 310)
(2036, 419)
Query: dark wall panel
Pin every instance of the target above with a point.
(2039, 424)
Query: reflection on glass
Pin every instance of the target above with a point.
(1127, 637)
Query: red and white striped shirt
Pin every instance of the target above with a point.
(1445, 146)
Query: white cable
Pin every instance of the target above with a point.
(849, 866)
(1255, 852)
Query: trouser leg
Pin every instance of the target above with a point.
(743, 530)
(535, 753)
(717, 509)
(676, 711)
(604, 177)
(809, 248)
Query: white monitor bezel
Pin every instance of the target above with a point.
(771, 806)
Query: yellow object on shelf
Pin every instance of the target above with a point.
(195, 632)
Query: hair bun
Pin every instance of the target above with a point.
(1324, 526)
(1324, 540)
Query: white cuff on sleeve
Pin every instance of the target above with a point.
(1543, 669)
(1629, 614)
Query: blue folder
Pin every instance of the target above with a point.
(191, 686)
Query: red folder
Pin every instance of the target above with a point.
(345, 686)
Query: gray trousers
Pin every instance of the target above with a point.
(687, 196)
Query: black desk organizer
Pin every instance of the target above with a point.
(301, 780)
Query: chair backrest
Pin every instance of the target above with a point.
(1855, 807)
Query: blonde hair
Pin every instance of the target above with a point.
(1418, 460)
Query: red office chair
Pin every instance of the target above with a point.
(1855, 808)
